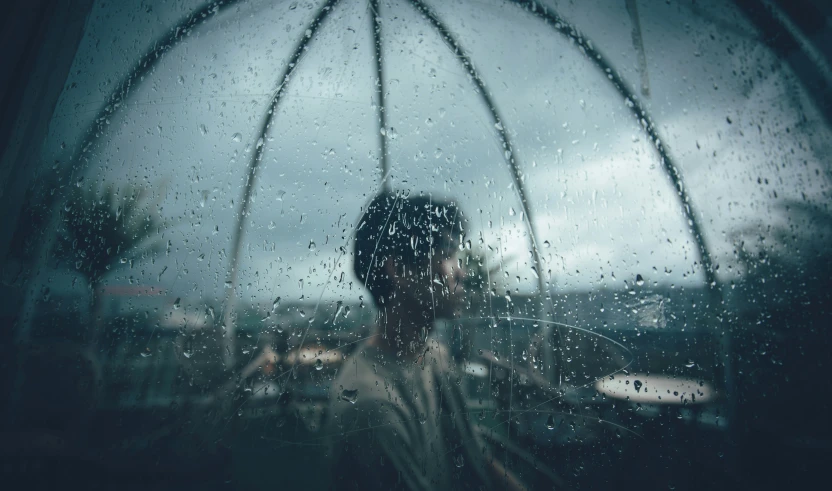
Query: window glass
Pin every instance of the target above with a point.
(426, 244)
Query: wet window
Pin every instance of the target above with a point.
(417, 244)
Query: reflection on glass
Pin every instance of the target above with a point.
(417, 244)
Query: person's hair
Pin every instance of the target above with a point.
(409, 229)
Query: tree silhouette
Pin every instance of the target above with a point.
(102, 228)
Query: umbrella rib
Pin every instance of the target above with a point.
(375, 27)
(251, 176)
(671, 170)
(509, 155)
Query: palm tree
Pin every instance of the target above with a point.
(102, 228)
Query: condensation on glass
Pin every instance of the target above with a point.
(604, 244)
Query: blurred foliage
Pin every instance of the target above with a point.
(101, 228)
(783, 343)
(787, 262)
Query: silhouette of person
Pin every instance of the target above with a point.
(397, 412)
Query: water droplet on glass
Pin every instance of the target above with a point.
(203, 130)
(319, 365)
(312, 245)
(637, 385)
(237, 137)
(546, 244)
(639, 280)
(146, 353)
(349, 395)
(550, 422)
(498, 125)
(511, 211)
(176, 303)
(690, 364)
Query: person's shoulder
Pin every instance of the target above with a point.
(363, 381)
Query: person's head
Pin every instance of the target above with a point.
(405, 252)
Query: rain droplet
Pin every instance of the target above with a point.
(459, 461)
(639, 280)
(236, 137)
(637, 385)
(349, 395)
(319, 365)
(498, 125)
(312, 245)
(203, 130)
(146, 353)
(690, 364)
(511, 211)
(547, 244)
(550, 422)
(176, 303)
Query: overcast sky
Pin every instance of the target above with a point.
(728, 111)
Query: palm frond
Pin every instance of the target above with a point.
(102, 226)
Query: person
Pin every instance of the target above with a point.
(397, 413)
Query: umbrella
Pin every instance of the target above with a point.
(418, 86)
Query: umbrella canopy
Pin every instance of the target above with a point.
(621, 165)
